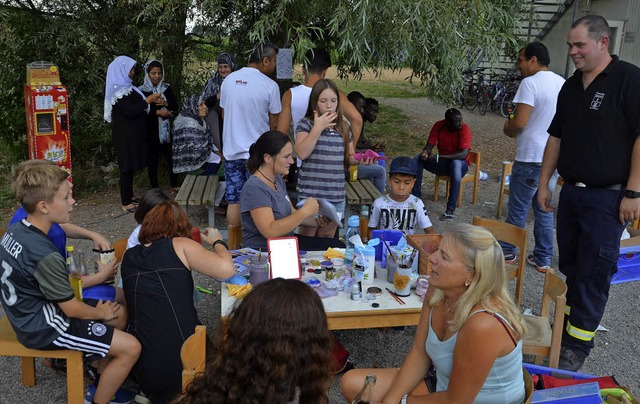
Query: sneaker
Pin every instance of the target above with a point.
(540, 268)
(511, 259)
(446, 217)
(121, 396)
(570, 360)
(57, 364)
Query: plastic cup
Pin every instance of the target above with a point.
(195, 235)
(402, 280)
(391, 269)
(258, 270)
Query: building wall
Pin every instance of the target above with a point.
(627, 11)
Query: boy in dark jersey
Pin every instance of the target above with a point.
(36, 294)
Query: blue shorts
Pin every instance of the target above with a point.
(100, 292)
(236, 175)
(340, 206)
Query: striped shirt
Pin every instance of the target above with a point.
(322, 174)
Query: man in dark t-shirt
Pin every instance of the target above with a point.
(594, 144)
(35, 289)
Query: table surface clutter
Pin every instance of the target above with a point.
(376, 308)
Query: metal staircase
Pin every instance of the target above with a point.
(543, 14)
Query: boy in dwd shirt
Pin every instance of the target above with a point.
(399, 210)
(36, 294)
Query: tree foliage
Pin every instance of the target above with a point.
(432, 39)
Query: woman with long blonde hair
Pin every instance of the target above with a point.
(470, 330)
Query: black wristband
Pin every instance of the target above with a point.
(219, 242)
(631, 194)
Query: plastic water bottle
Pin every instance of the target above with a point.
(483, 176)
(74, 276)
(364, 223)
(352, 229)
(507, 179)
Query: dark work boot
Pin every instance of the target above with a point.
(570, 360)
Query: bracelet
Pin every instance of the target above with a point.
(404, 399)
(219, 242)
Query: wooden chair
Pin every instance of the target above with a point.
(9, 346)
(528, 386)
(513, 235)
(507, 166)
(542, 338)
(235, 236)
(193, 355)
(473, 175)
(120, 247)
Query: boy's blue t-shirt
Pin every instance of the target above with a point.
(56, 234)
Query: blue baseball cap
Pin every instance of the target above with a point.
(403, 165)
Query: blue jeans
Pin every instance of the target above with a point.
(455, 169)
(523, 192)
(374, 172)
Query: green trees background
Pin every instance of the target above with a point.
(432, 39)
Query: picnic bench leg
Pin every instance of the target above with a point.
(212, 215)
(28, 371)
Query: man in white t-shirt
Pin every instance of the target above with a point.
(250, 103)
(535, 107)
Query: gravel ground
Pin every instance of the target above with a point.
(614, 352)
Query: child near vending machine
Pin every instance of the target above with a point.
(399, 210)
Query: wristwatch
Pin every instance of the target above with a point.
(219, 242)
(404, 399)
(631, 194)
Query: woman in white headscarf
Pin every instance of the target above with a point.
(126, 108)
(159, 121)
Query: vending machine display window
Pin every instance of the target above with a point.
(44, 123)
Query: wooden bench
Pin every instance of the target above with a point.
(361, 192)
(199, 190)
(9, 346)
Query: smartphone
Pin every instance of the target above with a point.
(284, 257)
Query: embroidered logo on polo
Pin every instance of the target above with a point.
(97, 329)
(597, 101)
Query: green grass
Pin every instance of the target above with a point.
(383, 88)
(391, 128)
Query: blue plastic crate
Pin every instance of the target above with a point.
(564, 374)
(628, 265)
(588, 393)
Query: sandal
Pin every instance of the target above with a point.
(131, 208)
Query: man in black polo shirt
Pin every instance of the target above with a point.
(593, 144)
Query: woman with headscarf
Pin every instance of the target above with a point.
(211, 96)
(193, 146)
(126, 108)
(159, 120)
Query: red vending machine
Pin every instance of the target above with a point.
(47, 106)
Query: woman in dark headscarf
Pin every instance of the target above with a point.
(127, 107)
(193, 146)
(158, 122)
(211, 96)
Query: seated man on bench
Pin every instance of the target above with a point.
(37, 296)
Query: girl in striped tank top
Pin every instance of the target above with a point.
(325, 148)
